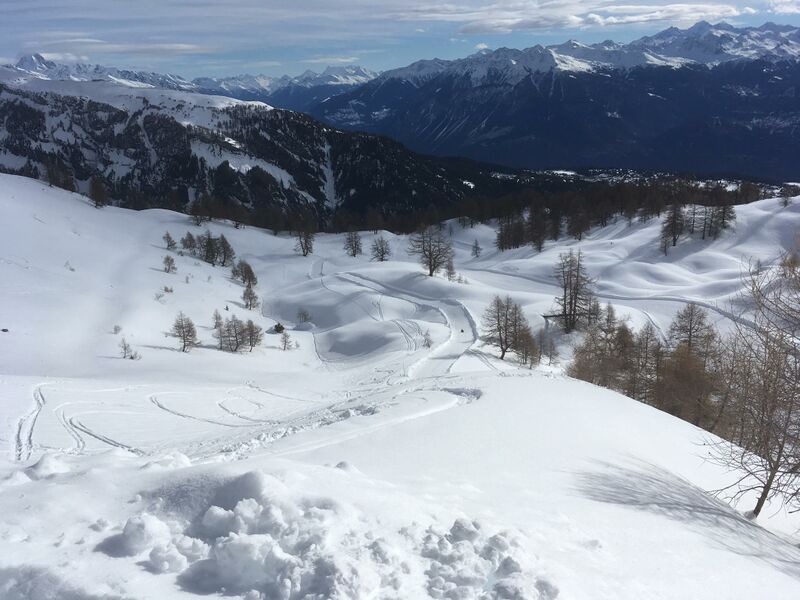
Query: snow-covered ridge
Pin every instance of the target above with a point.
(702, 43)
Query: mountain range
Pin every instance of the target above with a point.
(295, 93)
(711, 99)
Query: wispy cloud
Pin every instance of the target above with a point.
(331, 60)
(785, 7)
(521, 15)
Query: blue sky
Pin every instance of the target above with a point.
(223, 37)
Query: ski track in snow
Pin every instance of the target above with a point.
(71, 429)
(103, 438)
(154, 399)
(26, 425)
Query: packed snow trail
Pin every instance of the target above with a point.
(463, 329)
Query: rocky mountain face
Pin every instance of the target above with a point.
(705, 99)
(169, 149)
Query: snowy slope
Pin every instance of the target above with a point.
(361, 464)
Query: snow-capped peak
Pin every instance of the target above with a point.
(702, 43)
(38, 66)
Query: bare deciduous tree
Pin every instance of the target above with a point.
(286, 341)
(169, 241)
(432, 248)
(506, 326)
(765, 396)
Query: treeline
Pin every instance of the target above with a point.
(531, 218)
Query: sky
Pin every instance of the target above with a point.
(196, 38)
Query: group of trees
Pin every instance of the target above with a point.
(207, 247)
(232, 334)
(531, 218)
(743, 386)
(709, 221)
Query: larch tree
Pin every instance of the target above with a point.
(189, 243)
(575, 301)
(183, 328)
(380, 250)
(505, 325)
(225, 251)
(98, 192)
(352, 243)
(305, 241)
(673, 226)
(253, 334)
(169, 241)
(169, 264)
(476, 249)
(250, 298)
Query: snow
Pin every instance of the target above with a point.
(361, 464)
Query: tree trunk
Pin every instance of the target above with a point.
(764, 494)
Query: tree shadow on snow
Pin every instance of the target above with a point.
(655, 490)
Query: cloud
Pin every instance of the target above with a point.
(331, 60)
(65, 57)
(83, 46)
(505, 16)
(785, 7)
(481, 46)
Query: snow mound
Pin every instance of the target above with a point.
(46, 467)
(260, 538)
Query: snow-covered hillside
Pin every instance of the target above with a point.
(360, 464)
